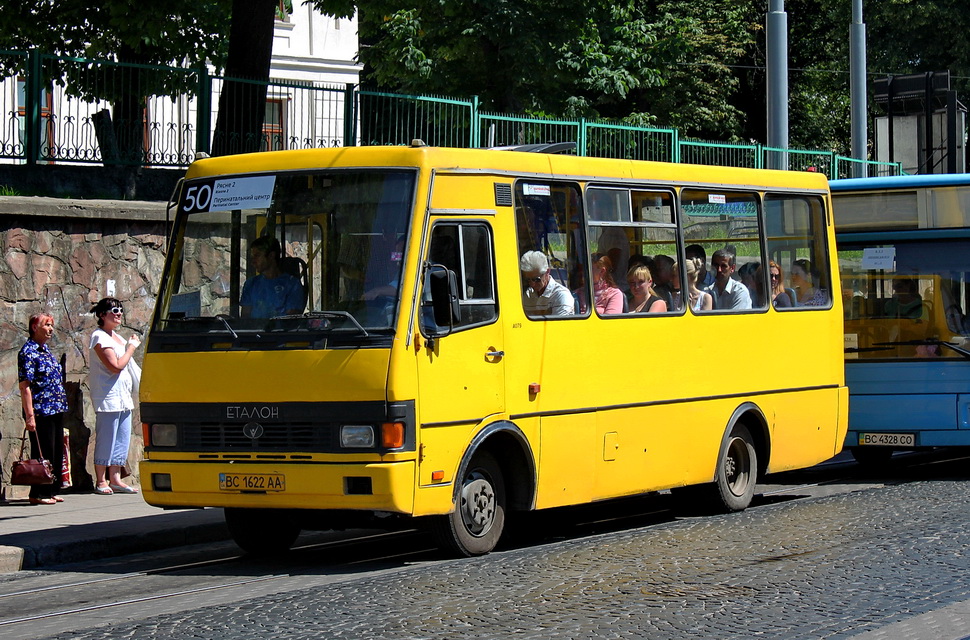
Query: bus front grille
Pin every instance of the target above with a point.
(272, 437)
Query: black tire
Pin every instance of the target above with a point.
(261, 532)
(475, 526)
(872, 458)
(737, 471)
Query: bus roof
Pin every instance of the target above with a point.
(537, 164)
(900, 182)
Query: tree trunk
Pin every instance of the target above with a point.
(242, 103)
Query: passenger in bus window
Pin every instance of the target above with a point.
(677, 292)
(780, 298)
(704, 277)
(544, 296)
(663, 276)
(802, 278)
(748, 274)
(727, 292)
(614, 243)
(699, 300)
(645, 299)
(394, 270)
(638, 259)
(906, 301)
(607, 297)
(271, 292)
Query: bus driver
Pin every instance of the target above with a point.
(543, 295)
(272, 292)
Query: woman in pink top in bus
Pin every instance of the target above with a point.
(607, 296)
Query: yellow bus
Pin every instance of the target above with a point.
(441, 361)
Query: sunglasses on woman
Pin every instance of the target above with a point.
(116, 310)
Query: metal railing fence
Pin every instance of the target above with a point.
(60, 109)
(394, 119)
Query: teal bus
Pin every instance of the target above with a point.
(904, 256)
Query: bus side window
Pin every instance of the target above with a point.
(465, 248)
(549, 219)
(725, 223)
(796, 229)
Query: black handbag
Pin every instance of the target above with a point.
(32, 471)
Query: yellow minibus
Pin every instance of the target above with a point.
(450, 335)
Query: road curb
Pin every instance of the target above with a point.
(118, 540)
(11, 559)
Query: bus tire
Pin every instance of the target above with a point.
(476, 524)
(737, 471)
(261, 532)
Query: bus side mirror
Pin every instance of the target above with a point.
(440, 308)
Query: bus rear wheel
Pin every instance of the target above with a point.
(476, 524)
(261, 532)
(737, 471)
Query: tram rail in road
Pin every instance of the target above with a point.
(34, 602)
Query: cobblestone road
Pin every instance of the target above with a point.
(832, 567)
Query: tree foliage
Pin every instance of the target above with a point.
(172, 32)
(697, 65)
(664, 62)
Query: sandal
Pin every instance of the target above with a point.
(121, 488)
(42, 501)
(103, 491)
(58, 499)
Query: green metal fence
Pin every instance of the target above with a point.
(393, 119)
(58, 109)
(721, 154)
(616, 140)
(505, 130)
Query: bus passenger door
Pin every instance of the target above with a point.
(461, 369)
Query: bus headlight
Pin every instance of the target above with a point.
(356, 435)
(164, 435)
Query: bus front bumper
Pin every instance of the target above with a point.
(379, 486)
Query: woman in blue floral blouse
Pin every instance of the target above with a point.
(44, 401)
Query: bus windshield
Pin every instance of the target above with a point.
(906, 299)
(291, 260)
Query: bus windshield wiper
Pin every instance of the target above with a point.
(224, 319)
(929, 342)
(329, 315)
(228, 326)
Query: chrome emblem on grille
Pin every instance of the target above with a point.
(252, 430)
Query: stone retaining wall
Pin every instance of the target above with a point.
(62, 256)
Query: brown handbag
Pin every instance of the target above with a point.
(33, 471)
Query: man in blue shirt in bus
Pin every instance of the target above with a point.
(272, 292)
(727, 292)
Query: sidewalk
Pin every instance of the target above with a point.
(87, 526)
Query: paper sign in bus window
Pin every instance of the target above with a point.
(536, 190)
(879, 258)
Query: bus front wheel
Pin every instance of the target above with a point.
(737, 471)
(476, 524)
(261, 532)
